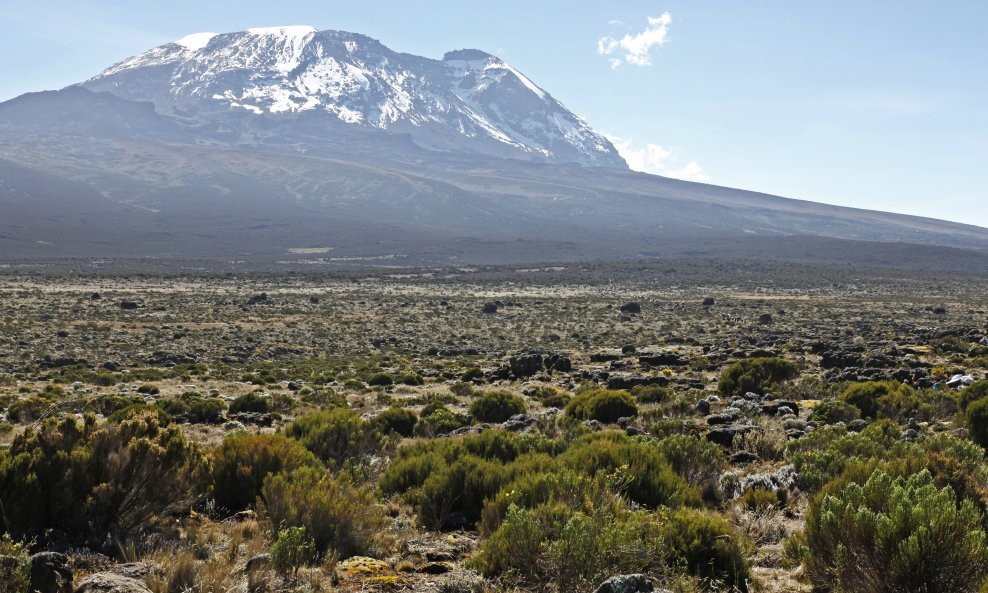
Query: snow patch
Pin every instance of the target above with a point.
(196, 41)
(291, 31)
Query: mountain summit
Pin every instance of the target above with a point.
(470, 101)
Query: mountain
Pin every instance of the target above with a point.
(468, 101)
(294, 147)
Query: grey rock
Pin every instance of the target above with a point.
(51, 573)
(627, 583)
(108, 582)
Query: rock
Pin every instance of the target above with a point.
(258, 299)
(95, 296)
(628, 349)
(725, 435)
(765, 319)
(857, 425)
(559, 362)
(489, 308)
(626, 583)
(910, 435)
(526, 365)
(665, 358)
(703, 406)
(743, 458)
(259, 562)
(708, 301)
(631, 308)
(128, 305)
(727, 417)
(361, 566)
(51, 573)
(108, 582)
(436, 568)
(133, 570)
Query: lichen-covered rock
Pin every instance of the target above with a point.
(108, 582)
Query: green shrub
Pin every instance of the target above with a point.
(758, 375)
(972, 393)
(337, 515)
(396, 420)
(824, 454)
(603, 405)
(758, 499)
(882, 399)
(834, 411)
(706, 545)
(196, 407)
(132, 411)
(380, 380)
(15, 566)
(472, 374)
(977, 421)
(497, 406)
(336, 436)
(291, 550)
(895, 535)
(696, 459)
(409, 379)
(107, 405)
(243, 461)
(250, 402)
(649, 479)
(651, 394)
(90, 481)
(439, 421)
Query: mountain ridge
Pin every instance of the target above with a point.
(469, 100)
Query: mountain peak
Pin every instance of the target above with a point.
(470, 101)
(467, 55)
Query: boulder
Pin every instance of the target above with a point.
(725, 435)
(107, 582)
(51, 573)
(631, 308)
(526, 365)
(489, 308)
(626, 583)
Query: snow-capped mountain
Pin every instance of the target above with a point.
(469, 101)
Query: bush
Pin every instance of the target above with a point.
(649, 478)
(250, 402)
(882, 399)
(895, 535)
(651, 394)
(439, 421)
(337, 515)
(380, 380)
(93, 482)
(15, 567)
(977, 421)
(396, 420)
(706, 545)
(195, 407)
(497, 406)
(698, 460)
(755, 374)
(336, 436)
(243, 461)
(603, 405)
(972, 393)
(291, 549)
(409, 379)
(834, 411)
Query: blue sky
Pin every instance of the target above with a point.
(877, 104)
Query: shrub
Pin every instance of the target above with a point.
(706, 545)
(497, 406)
(243, 461)
(472, 374)
(90, 482)
(409, 379)
(339, 516)
(250, 402)
(603, 405)
(895, 535)
(336, 436)
(834, 411)
(651, 394)
(396, 420)
(698, 460)
(977, 421)
(649, 479)
(824, 453)
(972, 393)
(755, 374)
(15, 566)
(380, 380)
(195, 407)
(439, 421)
(882, 399)
(292, 549)
(757, 499)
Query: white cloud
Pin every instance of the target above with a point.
(657, 159)
(636, 48)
